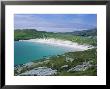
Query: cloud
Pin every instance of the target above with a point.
(50, 22)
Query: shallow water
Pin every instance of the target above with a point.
(28, 51)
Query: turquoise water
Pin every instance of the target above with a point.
(28, 51)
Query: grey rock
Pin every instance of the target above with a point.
(69, 59)
(65, 66)
(40, 71)
(84, 66)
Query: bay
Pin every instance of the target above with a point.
(25, 52)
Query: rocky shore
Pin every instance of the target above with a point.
(73, 63)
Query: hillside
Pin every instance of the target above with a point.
(82, 37)
(91, 32)
(83, 63)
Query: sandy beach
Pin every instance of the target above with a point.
(58, 42)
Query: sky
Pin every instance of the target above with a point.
(55, 22)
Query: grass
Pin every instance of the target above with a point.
(32, 34)
(56, 62)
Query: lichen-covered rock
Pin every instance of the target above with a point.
(28, 64)
(68, 59)
(65, 66)
(40, 71)
(82, 67)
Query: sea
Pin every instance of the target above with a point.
(25, 52)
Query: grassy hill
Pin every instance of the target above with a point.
(81, 37)
(82, 63)
(86, 33)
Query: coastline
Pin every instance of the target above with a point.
(58, 42)
(49, 67)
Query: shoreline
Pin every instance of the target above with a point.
(85, 64)
(63, 43)
(41, 68)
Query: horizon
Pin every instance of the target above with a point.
(52, 31)
(55, 22)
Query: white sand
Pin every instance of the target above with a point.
(63, 43)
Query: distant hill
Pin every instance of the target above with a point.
(91, 32)
(82, 37)
(25, 34)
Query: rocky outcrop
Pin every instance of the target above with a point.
(84, 66)
(40, 71)
(68, 59)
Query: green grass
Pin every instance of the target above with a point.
(56, 62)
(89, 72)
(32, 34)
